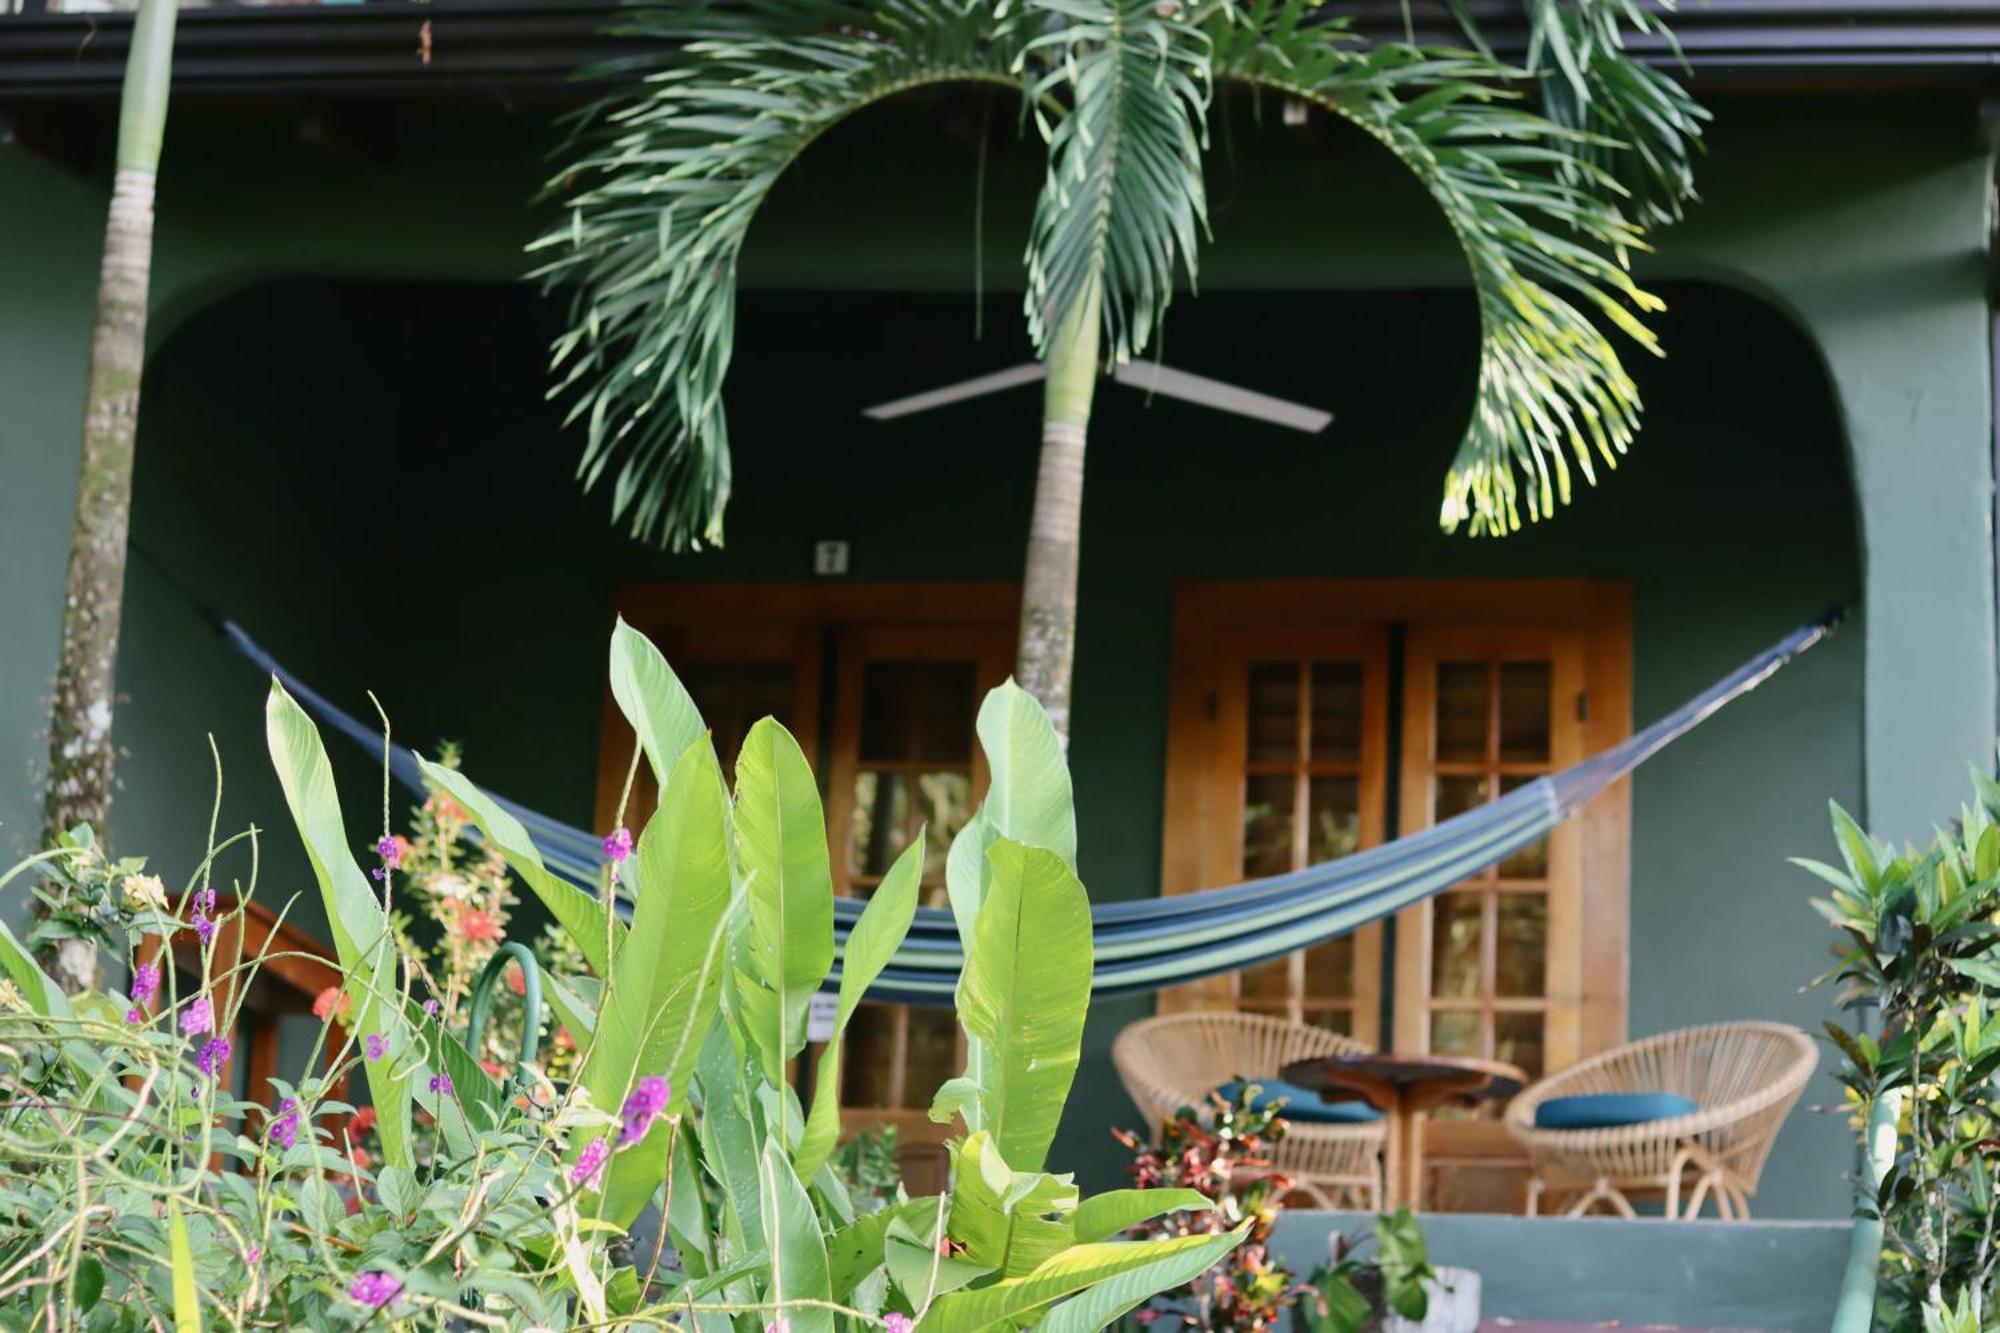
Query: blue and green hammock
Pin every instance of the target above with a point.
(1153, 943)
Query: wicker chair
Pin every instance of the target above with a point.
(1176, 1060)
(1743, 1079)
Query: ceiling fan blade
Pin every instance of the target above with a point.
(1156, 378)
(1026, 373)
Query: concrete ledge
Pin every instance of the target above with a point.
(1775, 1276)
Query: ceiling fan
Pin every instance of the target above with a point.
(1149, 376)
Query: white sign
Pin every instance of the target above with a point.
(830, 558)
(819, 1018)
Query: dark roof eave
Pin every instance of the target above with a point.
(516, 49)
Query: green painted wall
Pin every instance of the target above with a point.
(377, 455)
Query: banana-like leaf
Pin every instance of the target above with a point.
(653, 700)
(187, 1296)
(795, 1244)
(1074, 1270)
(728, 1139)
(916, 1264)
(581, 916)
(1009, 1221)
(855, 1250)
(1023, 996)
(1028, 796)
(870, 945)
(661, 998)
(781, 840)
(1097, 1306)
(361, 937)
(1103, 1216)
(37, 988)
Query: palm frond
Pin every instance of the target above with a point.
(663, 180)
(1540, 229)
(1123, 200)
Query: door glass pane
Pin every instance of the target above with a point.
(1521, 942)
(1336, 712)
(871, 1052)
(1456, 795)
(881, 814)
(950, 702)
(1333, 1020)
(1532, 861)
(933, 1054)
(1517, 1040)
(1455, 1032)
(1330, 969)
(1455, 930)
(944, 803)
(1462, 712)
(1333, 819)
(1524, 712)
(731, 696)
(1273, 722)
(1267, 824)
(889, 709)
(1268, 981)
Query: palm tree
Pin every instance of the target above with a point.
(1546, 206)
(80, 750)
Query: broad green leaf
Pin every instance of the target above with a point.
(653, 700)
(1983, 971)
(37, 988)
(399, 1192)
(1023, 995)
(187, 1297)
(1103, 1216)
(884, 922)
(795, 1244)
(1076, 1269)
(1009, 1221)
(1028, 797)
(661, 998)
(855, 1251)
(916, 1263)
(781, 839)
(360, 927)
(687, 1219)
(728, 1139)
(579, 914)
(1098, 1306)
(1856, 848)
(572, 1010)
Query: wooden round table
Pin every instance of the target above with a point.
(1403, 1088)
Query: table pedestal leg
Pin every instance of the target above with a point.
(1405, 1156)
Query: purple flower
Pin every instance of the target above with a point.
(204, 927)
(441, 1084)
(198, 1017)
(618, 844)
(375, 1290)
(648, 1099)
(213, 1056)
(779, 1325)
(134, 1017)
(590, 1162)
(204, 902)
(373, 1046)
(390, 849)
(285, 1129)
(253, 1254)
(897, 1323)
(432, 1007)
(145, 983)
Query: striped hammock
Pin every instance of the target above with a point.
(1150, 944)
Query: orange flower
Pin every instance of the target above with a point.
(362, 1161)
(493, 1067)
(564, 1040)
(446, 808)
(477, 924)
(516, 982)
(329, 1002)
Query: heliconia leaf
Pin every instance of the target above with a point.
(1164, 1264)
(360, 927)
(38, 990)
(187, 1296)
(653, 700)
(1103, 1216)
(781, 841)
(797, 1248)
(884, 923)
(1009, 1221)
(1099, 1305)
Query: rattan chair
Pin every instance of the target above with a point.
(1743, 1079)
(1176, 1060)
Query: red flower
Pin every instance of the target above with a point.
(477, 924)
(329, 1002)
(493, 1067)
(564, 1041)
(362, 1161)
(361, 1122)
(516, 982)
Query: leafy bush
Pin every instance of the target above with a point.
(1922, 928)
(137, 1190)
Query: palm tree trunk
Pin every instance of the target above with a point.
(1048, 588)
(80, 749)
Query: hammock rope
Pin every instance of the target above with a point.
(1153, 943)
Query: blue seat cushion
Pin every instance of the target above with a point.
(1611, 1110)
(1300, 1104)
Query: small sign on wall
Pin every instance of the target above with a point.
(824, 1009)
(830, 557)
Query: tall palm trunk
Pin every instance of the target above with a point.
(80, 750)
(1048, 588)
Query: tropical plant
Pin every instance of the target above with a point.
(1356, 1290)
(667, 173)
(1920, 973)
(1222, 1152)
(706, 938)
(81, 756)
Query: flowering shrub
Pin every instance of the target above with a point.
(137, 1192)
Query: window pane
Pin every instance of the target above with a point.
(1336, 711)
(944, 803)
(950, 700)
(1330, 969)
(732, 695)
(933, 1054)
(1517, 1040)
(1461, 712)
(871, 1051)
(1455, 1032)
(1268, 981)
(1333, 1020)
(889, 709)
(1456, 795)
(1333, 819)
(881, 814)
(1532, 861)
(1273, 723)
(1267, 824)
(1521, 945)
(1455, 930)
(1524, 712)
